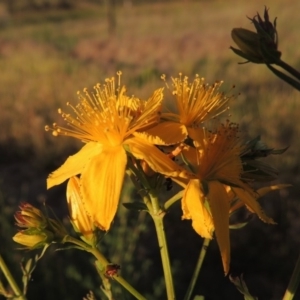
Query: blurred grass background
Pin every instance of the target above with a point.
(50, 49)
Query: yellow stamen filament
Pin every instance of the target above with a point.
(197, 101)
(108, 115)
(219, 158)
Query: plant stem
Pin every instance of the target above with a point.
(294, 83)
(157, 216)
(172, 200)
(129, 288)
(104, 262)
(294, 282)
(18, 293)
(288, 68)
(197, 269)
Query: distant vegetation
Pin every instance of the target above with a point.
(51, 49)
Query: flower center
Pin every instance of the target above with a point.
(219, 154)
(108, 115)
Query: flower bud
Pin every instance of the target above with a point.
(255, 169)
(39, 229)
(248, 42)
(33, 239)
(81, 222)
(266, 29)
(259, 47)
(30, 217)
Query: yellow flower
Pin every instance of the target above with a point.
(196, 103)
(206, 201)
(80, 220)
(109, 122)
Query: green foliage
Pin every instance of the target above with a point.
(138, 206)
(242, 287)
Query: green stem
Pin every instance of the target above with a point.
(288, 68)
(294, 83)
(197, 269)
(172, 200)
(294, 282)
(129, 288)
(157, 216)
(104, 262)
(18, 293)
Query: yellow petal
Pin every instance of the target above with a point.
(191, 157)
(219, 205)
(29, 240)
(101, 184)
(77, 210)
(261, 192)
(74, 164)
(193, 208)
(165, 133)
(157, 160)
(197, 135)
(252, 204)
(265, 190)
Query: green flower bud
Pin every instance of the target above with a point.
(259, 47)
(29, 216)
(248, 42)
(38, 230)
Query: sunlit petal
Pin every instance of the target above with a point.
(105, 118)
(196, 101)
(157, 160)
(191, 158)
(101, 184)
(165, 133)
(77, 211)
(219, 205)
(74, 164)
(198, 135)
(265, 190)
(252, 203)
(30, 240)
(193, 207)
(261, 192)
(108, 115)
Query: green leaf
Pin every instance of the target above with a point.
(199, 297)
(68, 247)
(28, 265)
(137, 206)
(242, 287)
(238, 225)
(256, 148)
(279, 151)
(295, 84)
(258, 170)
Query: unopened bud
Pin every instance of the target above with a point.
(37, 229)
(30, 217)
(257, 47)
(33, 239)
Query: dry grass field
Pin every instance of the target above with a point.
(47, 55)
